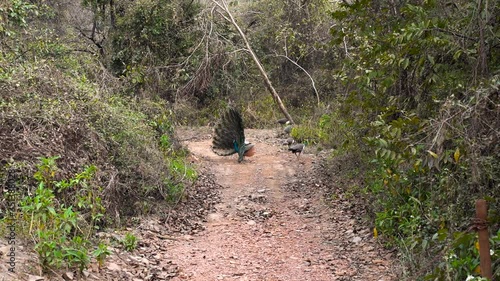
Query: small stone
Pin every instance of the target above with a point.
(357, 239)
(35, 278)
(114, 267)
(4, 250)
(68, 276)
(213, 217)
(368, 248)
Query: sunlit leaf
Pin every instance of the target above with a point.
(431, 59)
(457, 54)
(432, 154)
(456, 155)
(383, 143)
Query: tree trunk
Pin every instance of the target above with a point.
(267, 82)
(482, 60)
(112, 14)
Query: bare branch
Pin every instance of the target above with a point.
(229, 17)
(454, 33)
(307, 73)
(345, 45)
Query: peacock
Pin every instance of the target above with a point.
(297, 148)
(283, 121)
(288, 129)
(289, 141)
(229, 136)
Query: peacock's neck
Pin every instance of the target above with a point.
(236, 148)
(241, 152)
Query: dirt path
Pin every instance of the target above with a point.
(266, 219)
(262, 231)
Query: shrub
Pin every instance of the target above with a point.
(60, 228)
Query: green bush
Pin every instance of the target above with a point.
(424, 191)
(461, 258)
(129, 242)
(101, 253)
(60, 229)
(305, 133)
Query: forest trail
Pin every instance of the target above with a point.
(266, 228)
(265, 219)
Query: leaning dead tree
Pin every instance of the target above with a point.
(227, 15)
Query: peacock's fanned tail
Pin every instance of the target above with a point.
(229, 134)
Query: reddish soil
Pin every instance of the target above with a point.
(272, 225)
(269, 218)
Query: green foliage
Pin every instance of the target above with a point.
(153, 34)
(144, 148)
(182, 170)
(426, 63)
(14, 15)
(49, 250)
(63, 95)
(101, 253)
(291, 30)
(461, 258)
(129, 242)
(417, 85)
(305, 133)
(338, 132)
(58, 99)
(260, 111)
(88, 199)
(182, 173)
(397, 165)
(60, 234)
(413, 186)
(77, 253)
(46, 170)
(174, 191)
(416, 81)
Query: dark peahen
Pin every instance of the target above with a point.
(283, 121)
(297, 148)
(288, 129)
(229, 136)
(289, 141)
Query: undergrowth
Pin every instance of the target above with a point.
(80, 151)
(426, 191)
(421, 181)
(61, 227)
